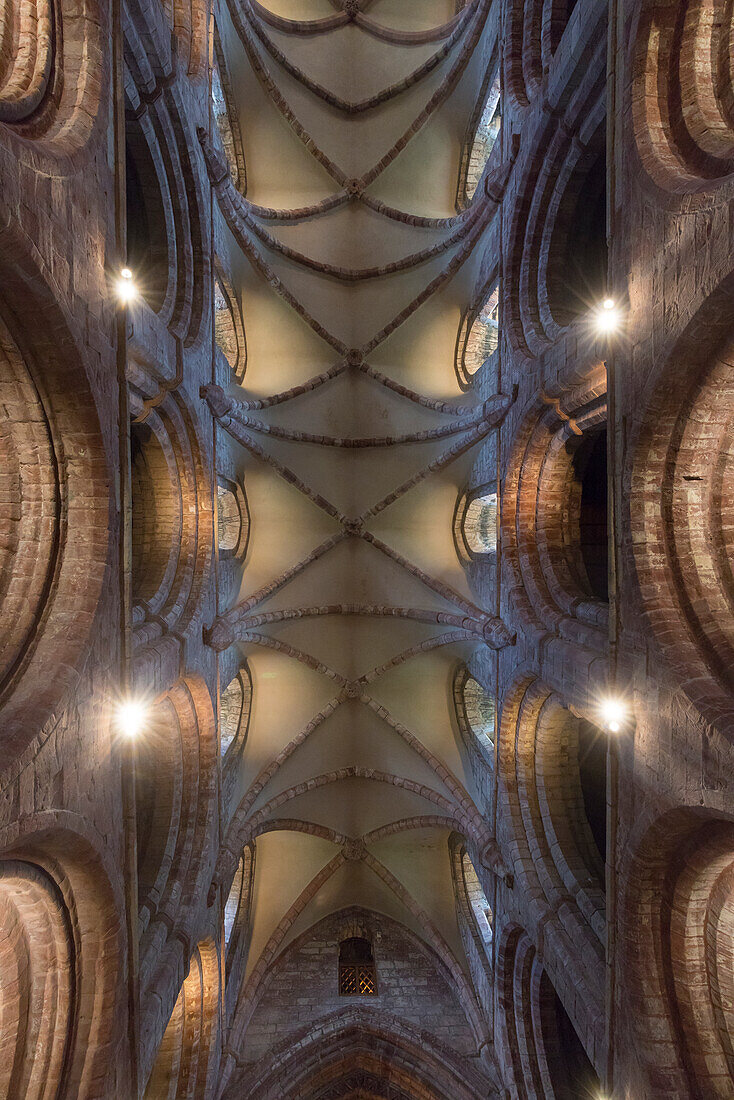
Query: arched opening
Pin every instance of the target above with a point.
(484, 131)
(479, 526)
(229, 520)
(225, 117)
(185, 1066)
(475, 712)
(478, 336)
(577, 270)
(477, 900)
(357, 973)
(147, 231)
(154, 509)
(234, 711)
(36, 984)
(572, 1074)
(592, 760)
(590, 469)
(234, 898)
(157, 802)
(224, 330)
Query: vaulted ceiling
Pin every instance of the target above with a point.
(354, 441)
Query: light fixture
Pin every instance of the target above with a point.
(126, 289)
(607, 317)
(613, 714)
(130, 717)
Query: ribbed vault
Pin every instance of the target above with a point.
(354, 441)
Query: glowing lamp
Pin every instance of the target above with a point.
(126, 289)
(607, 317)
(613, 714)
(130, 717)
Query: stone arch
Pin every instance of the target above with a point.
(171, 519)
(482, 133)
(477, 341)
(476, 937)
(359, 1039)
(576, 275)
(225, 116)
(229, 329)
(54, 482)
(523, 66)
(682, 112)
(549, 508)
(60, 945)
(149, 233)
(682, 980)
(235, 706)
(175, 788)
(36, 990)
(475, 714)
(166, 215)
(45, 95)
(544, 1055)
(186, 1063)
(475, 523)
(679, 500)
(551, 801)
(543, 227)
(233, 519)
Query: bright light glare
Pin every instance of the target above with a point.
(607, 318)
(131, 717)
(126, 289)
(613, 714)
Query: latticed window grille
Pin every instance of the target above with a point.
(357, 974)
(357, 981)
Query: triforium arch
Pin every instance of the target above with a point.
(552, 789)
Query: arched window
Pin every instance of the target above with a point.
(475, 713)
(475, 524)
(477, 899)
(237, 905)
(484, 130)
(478, 336)
(225, 118)
(357, 975)
(229, 520)
(234, 710)
(229, 329)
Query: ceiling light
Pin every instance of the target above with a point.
(607, 317)
(130, 717)
(613, 714)
(126, 289)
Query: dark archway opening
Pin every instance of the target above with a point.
(592, 757)
(590, 467)
(153, 513)
(572, 1075)
(577, 274)
(147, 238)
